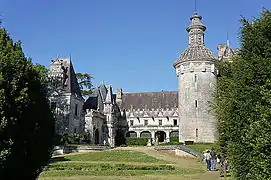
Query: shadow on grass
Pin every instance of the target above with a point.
(58, 159)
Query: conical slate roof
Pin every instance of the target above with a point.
(196, 49)
(196, 53)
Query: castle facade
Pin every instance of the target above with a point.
(109, 118)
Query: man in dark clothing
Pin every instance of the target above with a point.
(213, 160)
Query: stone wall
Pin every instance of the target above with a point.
(197, 82)
(94, 126)
(153, 121)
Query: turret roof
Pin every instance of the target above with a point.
(196, 49)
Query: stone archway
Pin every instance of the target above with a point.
(131, 134)
(160, 136)
(96, 137)
(145, 134)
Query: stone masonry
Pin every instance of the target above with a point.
(196, 72)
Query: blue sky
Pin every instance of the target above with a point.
(130, 44)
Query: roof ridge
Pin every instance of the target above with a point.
(149, 92)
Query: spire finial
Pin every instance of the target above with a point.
(228, 41)
(195, 5)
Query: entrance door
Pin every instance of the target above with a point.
(161, 136)
(97, 136)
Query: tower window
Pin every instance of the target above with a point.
(160, 122)
(145, 122)
(76, 109)
(131, 122)
(175, 122)
(196, 103)
(197, 132)
(195, 77)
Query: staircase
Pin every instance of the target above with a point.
(182, 148)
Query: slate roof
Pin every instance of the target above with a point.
(196, 49)
(96, 99)
(71, 83)
(196, 53)
(150, 100)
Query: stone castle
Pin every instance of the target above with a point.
(108, 118)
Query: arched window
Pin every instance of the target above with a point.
(197, 132)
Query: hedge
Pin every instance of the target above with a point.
(131, 141)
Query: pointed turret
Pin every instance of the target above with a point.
(196, 31)
(196, 50)
(109, 96)
(119, 96)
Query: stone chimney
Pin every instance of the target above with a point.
(119, 96)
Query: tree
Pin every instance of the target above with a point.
(26, 122)
(85, 83)
(243, 105)
(42, 72)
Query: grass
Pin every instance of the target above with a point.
(202, 147)
(140, 163)
(116, 156)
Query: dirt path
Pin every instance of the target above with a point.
(166, 155)
(180, 161)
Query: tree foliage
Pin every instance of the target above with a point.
(243, 102)
(42, 73)
(85, 83)
(26, 122)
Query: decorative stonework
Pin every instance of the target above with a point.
(196, 49)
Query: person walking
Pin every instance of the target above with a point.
(224, 167)
(207, 159)
(213, 160)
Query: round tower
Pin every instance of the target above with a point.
(196, 74)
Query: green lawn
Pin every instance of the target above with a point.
(116, 156)
(124, 164)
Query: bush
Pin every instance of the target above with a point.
(174, 139)
(72, 138)
(58, 140)
(130, 141)
(105, 166)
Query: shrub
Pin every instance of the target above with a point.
(72, 138)
(174, 139)
(130, 141)
(58, 140)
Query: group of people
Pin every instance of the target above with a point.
(212, 159)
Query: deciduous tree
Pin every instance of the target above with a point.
(85, 83)
(26, 122)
